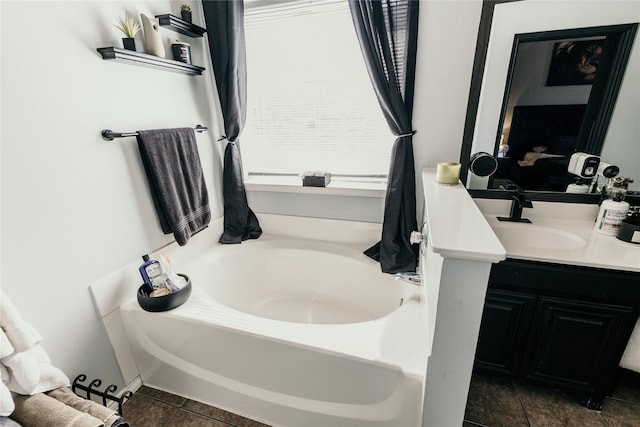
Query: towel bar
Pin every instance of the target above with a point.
(109, 135)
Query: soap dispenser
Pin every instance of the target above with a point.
(612, 212)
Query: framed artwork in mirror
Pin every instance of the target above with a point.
(575, 62)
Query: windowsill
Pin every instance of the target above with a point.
(339, 186)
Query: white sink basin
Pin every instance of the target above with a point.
(514, 236)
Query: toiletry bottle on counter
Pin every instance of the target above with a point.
(612, 212)
(147, 287)
(154, 276)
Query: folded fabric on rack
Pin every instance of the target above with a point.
(6, 401)
(19, 332)
(109, 417)
(6, 348)
(32, 372)
(25, 366)
(172, 165)
(41, 410)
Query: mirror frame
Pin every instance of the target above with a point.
(605, 111)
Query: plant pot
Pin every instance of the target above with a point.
(186, 16)
(129, 43)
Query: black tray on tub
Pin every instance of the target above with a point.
(165, 302)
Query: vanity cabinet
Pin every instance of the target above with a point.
(556, 324)
(505, 324)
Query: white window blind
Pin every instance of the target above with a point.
(310, 104)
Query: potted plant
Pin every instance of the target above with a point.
(130, 27)
(185, 12)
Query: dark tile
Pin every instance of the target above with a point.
(549, 407)
(246, 422)
(627, 386)
(184, 418)
(167, 397)
(470, 424)
(219, 414)
(493, 401)
(617, 413)
(144, 411)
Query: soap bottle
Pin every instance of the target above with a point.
(146, 284)
(152, 274)
(612, 212)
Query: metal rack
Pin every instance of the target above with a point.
(109, 135)
(105, 395)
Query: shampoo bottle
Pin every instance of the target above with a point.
(152, 274)
(612, 212)
(145, 279)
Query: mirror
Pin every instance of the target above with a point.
(562, 85)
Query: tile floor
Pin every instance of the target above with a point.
(498, 401)
(494, 401)
(155, 408)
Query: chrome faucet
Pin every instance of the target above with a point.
(519, 201)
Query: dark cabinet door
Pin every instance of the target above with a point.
(571, 343)
(558, 324)
(505, 323)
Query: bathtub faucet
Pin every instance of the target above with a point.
(413, 278)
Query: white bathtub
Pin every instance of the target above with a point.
(291, 332)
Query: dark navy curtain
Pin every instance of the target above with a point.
(225, 28)
(387, 31)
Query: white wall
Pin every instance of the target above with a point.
(446, 48)
(75, 207)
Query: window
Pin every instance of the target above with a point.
(310, 103)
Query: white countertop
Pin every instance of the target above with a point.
(599, 250)
(457, 227)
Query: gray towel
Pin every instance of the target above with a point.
(172, 164)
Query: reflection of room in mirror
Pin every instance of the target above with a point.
(560, 81)
(545, 109)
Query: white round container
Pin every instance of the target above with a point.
(610, 217)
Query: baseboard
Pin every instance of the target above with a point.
(131, 387)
